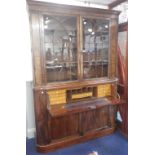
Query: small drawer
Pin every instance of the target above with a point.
(57, 96)
(104, 90)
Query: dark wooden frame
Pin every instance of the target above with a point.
(42, 116)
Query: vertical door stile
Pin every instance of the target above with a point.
(109, 52)
(36, 49)
(113, 44)
(42, 50)
(79, 47)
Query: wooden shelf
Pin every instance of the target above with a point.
(96, 61)
(56, 67)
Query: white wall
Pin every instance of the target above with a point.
(30, 119)
(15, 70)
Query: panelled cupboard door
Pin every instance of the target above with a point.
(94, 119)
(65, 126)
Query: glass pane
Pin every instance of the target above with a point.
(95, 48)
(60, 47)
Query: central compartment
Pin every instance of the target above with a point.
(80, 94)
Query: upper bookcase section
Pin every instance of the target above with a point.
(72, 43)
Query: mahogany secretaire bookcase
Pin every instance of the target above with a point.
(74, 68)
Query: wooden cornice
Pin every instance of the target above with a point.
(46, 6)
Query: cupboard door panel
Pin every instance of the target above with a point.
(95, 119)
(87, 120)
(102, 117)
(64, 126)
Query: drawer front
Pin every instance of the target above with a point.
(104, 90)
(57, 96)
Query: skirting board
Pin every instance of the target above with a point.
(30, 133)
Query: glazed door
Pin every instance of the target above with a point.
(95, 47)
(60, 47)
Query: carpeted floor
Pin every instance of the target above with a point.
(114, 144)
